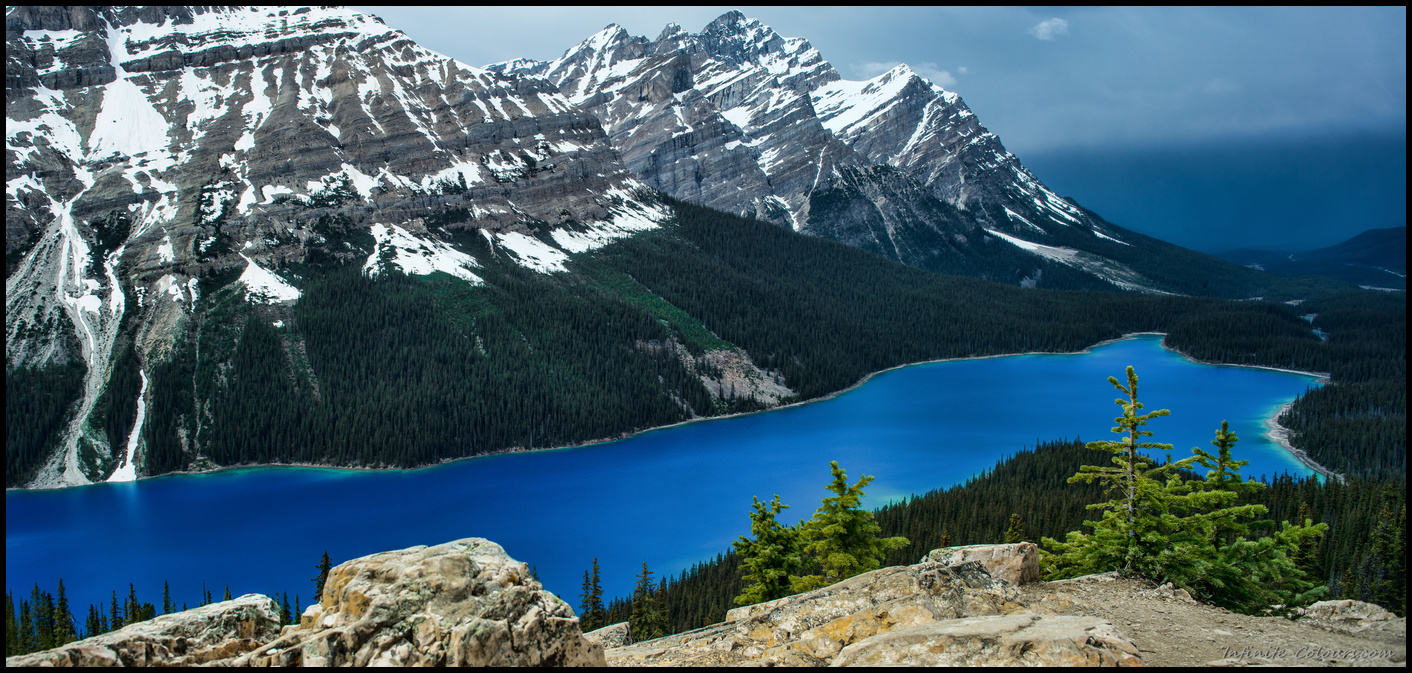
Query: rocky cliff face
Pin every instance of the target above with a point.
(741, 119)
(149, 149)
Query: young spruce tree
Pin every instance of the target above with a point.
(1191, 533)
(648, 619)
(771, 558)
(842, 537)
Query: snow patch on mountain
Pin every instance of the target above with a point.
(416, 256)
(264, 287)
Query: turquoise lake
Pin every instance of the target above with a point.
(672, 496)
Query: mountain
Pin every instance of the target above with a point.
(244, 236)
(151, 150)
(741, 119)
(1374, 258)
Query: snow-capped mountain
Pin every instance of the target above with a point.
(148, 149)
(740, 119)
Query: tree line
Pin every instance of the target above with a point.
(45, 620)
(399, 371)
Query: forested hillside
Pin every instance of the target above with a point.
(397, 371)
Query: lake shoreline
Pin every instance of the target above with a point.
(1275, 432)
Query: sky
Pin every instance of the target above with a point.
(1213, 128)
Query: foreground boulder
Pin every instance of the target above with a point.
(1016, 563)
(463, 603)
(926, 614)
(209, 633)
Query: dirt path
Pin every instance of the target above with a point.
(1171, 630)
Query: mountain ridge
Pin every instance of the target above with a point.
(741, 119)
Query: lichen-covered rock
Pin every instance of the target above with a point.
(462, 603)
(1016, 563)
(209, 633)
(612, 635)
(1009, 640)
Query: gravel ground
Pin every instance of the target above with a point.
(1170, 629)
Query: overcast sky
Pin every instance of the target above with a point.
(1061, 83)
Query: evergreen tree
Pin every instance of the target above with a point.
(945, 539)
(1139, 495)
(1016, 531)
(25, 640)
(1191, 533)
(12, 634)
(166, 598)
(842, 538)
(42, 614)
(769, 560)
(64, 631)
(285, 615)
(600, 615)
(647, 621)
(93, 625)
(298, 611)
(115, 617)
(324, 566)
(586, 622)
(132, 608)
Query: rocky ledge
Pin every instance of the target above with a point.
(952, 609)
(467, 603)
(463, 603)
(215, 632)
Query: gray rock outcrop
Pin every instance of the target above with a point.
(612, 635)
(899, 615)
(462, 603)
(1011, 640)
(1016, 563)
(215, 632)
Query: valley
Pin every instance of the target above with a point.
(287, 267)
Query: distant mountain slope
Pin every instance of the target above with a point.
(741, 119)
(1375, 258)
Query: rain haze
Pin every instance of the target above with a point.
(1213, 128)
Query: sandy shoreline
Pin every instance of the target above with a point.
(1275, 432)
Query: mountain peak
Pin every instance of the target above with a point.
(610, 34)
(733, 19)
(671, 30)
